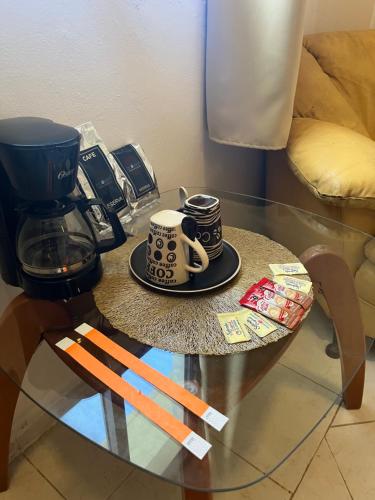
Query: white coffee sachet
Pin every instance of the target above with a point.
(97, 176)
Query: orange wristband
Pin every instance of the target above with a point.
(178, 430)
(165, 384)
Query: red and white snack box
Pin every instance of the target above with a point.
(300, 298)
(263, 306)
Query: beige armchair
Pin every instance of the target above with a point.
(328, 166)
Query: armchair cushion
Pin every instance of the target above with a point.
(335, 163)
(348, 60)
(318, 97)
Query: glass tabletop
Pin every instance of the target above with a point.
(274, 396)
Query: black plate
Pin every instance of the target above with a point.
(219, 272)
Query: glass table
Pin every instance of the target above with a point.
(274, 396)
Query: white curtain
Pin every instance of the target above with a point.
(252, 59)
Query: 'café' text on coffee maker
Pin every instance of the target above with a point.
(48, 245)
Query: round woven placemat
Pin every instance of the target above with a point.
(186, 324)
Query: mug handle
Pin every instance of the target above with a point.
(196, 245)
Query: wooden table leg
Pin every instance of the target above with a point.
(8, 400)
(197, 495)
(21, 328)
(193, 378)
(333, 276)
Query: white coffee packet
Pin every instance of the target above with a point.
(97, 176)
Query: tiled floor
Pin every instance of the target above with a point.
(337, 462)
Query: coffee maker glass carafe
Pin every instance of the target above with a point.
(53, 245)
(57, 239)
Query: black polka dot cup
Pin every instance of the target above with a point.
(168, 257)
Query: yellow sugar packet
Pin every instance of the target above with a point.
(231, 328)
(291, 268)
(257, 323)
(293, 283)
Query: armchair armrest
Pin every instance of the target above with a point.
(335, 163)
(370, 250)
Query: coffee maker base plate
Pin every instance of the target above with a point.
(63, 288)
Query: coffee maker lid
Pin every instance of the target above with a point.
(34, 132)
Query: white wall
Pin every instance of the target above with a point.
(337, 15)
(134, 68)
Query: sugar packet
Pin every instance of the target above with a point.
(232, 329)
(250, 320)
(291, 268)
(240, 326)
(293, 283)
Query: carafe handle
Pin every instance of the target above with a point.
(119, 236)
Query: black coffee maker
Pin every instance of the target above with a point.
(48, 245)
